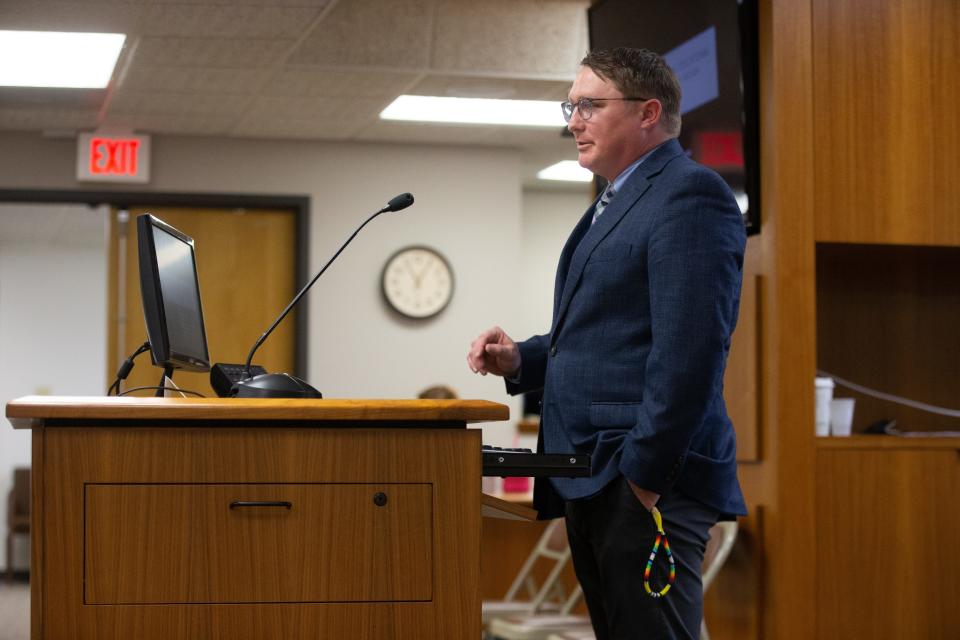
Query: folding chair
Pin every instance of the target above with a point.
(18, 513)
(722, 537)
(540, 625)
(552, 546)
(584, 634)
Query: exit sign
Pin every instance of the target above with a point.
(112, 158)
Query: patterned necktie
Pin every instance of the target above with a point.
(605, 199)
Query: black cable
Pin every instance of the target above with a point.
(126, 368)
(196, 393)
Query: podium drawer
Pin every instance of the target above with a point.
(246, 543)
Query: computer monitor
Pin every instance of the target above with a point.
(170, 291)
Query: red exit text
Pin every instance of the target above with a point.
(113, 156)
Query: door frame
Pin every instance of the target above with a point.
(300, 205)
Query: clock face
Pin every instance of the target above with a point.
(417, 282)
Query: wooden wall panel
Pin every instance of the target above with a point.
(741, 380)
(888, 553)
(787, 309)
(886, 88)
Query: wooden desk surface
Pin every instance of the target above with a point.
(32, 411)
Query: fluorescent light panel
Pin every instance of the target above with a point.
(567, 171)
(58, 59)
(521, 113)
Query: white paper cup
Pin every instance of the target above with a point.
(824, 388)
(841, 416)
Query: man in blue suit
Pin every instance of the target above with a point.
(646, 298)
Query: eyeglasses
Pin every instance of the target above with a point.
(585, 106)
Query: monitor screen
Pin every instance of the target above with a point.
(711, 45)
(170, 292)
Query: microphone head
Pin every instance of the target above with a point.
(402, 201)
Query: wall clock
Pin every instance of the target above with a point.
(417, 282)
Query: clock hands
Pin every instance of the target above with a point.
(417, 275)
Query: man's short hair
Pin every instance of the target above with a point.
(640, 73)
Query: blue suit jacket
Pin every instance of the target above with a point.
(632, 370)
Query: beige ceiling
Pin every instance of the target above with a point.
(308, 69)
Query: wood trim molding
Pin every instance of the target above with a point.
(33, 411)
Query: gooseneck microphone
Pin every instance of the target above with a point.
(397, 203)
(283, 385)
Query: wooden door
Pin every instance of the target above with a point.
(246, 264)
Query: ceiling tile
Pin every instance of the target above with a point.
(131, 102)
(309, 83)
(52, 98)
(219, 67)
(511, 36)
(199, 80)
(238, 21)
(34, 119)
(413, 133)
(148, 18)
(186, 124)
(349, 111)
(231, 53)
(38, 15)
(485, 87)
(380, 33)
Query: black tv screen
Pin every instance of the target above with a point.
(711, 45)
(170, 291)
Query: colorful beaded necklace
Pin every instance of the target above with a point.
(653, 554)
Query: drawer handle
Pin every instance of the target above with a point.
(236, 504)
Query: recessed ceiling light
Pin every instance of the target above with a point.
(522, 113)
(567, 171)
(58, 59)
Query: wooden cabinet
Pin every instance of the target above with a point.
(887, 546)
(134, 535)
(886, 81)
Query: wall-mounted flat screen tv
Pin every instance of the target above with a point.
(712, 47)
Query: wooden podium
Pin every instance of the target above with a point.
(255, 519)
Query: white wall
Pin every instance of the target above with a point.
(468, 207)
(53, 275)
(548, 218)
(503, 244)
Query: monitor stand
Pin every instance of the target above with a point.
(162, 386)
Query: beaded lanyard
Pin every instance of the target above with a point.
(653, 554)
